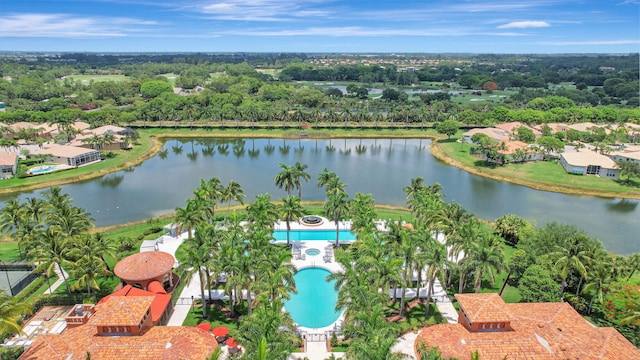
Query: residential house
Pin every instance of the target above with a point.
(68, 155)
(494, 133)
(589, 163)
(512, 128)
(121, 328)
(542, 331)
(628, 153)
(8, 164)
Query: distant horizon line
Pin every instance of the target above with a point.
(300, 52)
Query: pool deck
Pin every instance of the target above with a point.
(316, 350)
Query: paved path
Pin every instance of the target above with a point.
(58, 282)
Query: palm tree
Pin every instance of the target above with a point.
(197, 254)
(412, 189)
(11, 311)
(234, 192)
(189, 217)
(262, 212)
(337, 204)
(571, 256)
(268, 333)
(363, 214)
(436, 261)
(209, 192)
(325, 178)
(299, 171)
(485, 257)
(290, 210)
(287, 179)
(12, 216)
(52, 250)
(87, 270)
(103, 246)
(71, 220)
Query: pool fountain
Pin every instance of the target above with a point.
(312, 220)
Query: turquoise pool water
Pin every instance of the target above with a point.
(314, 305)
(43, 170)
(314, 235)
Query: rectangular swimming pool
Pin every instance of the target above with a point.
(327, 235)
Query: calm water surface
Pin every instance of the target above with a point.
(378, 166)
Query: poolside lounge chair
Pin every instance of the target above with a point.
(327, 258)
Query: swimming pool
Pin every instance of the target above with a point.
(314, 304)
(43, 169)
(329, 235)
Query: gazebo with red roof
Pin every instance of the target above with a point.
(141, 269)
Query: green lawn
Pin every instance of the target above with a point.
(86, 79)
(171, 77)
(122, 157)
(545, 173)
(9, 251)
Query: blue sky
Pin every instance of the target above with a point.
(428, 26)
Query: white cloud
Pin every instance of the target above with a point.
(524, 25)
(65, 26)
(365, 32)
(592, 42)
(263, 10)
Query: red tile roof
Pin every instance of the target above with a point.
(158, 305)
(121, 311)
(540, 331)
(144, 266)
(159, 342)
(485, 308)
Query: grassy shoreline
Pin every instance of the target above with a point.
(152, 139)
(509, 174)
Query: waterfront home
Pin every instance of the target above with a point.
(494, 133)
(497, 330)
(628, 153)
(589, 163)
(68, 155)
(8, 164)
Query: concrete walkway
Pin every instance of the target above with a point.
(58, 282)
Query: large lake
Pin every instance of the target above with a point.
(378, 166)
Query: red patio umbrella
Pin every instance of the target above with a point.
(220, 331)
(204, 326)
(231, 342)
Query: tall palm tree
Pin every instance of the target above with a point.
(363, 214)
(234, 192)
(289, 210)
(196, 258)
(11, 311)
(12, 216)
(87, 270)
(209, 192)
(300, 173)
(571, 256)
(53, 250)
(337, 204)
(189, 217)
(268, 333)
(485, 257)
(262, 213)
(286, 179)
(325, 178)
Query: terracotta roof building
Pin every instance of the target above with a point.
(160, 306)
(121, 328)
(523, 331)
(141, 269)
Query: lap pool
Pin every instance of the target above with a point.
(314, 305)
(326, 235)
